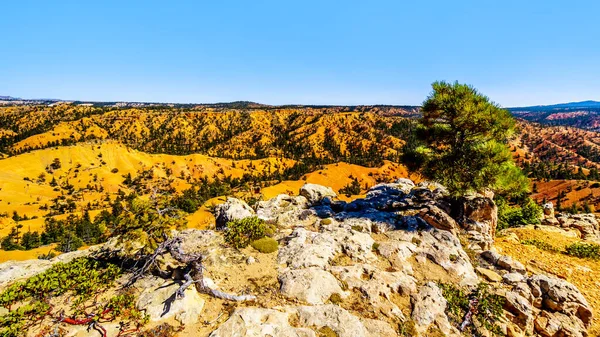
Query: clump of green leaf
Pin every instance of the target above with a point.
(527, 212)
(584, 250)
(28, 301)
(265, 245)
(240, 233)
(489, 307)
(540, 245)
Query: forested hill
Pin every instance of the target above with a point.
(584, 115)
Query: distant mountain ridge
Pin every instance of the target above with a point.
(561, 106)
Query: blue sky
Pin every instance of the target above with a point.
(307, 52)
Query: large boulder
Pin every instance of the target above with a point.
(311, 285)
(439, 219)
(308, 249)
(340, 321)
(316, 193)
(521, 310)
(250, 321)
(557, 295)
(286, 211)
(444, 249)
(477, 214)
(158, 301)
(232, 209)
(429, 307)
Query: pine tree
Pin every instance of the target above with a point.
(465, 137)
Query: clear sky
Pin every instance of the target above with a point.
(523, 52)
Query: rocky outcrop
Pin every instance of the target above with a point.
(350, 268)
(232, 209)
(316, 193)
(311, 285)
(586, 224)
(286, 211)
(478, 216)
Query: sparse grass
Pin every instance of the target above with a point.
(540, 245)
(407, 329)
(584, 250)
(357, 228)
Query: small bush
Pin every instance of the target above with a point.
(326, 222)
(115, 170)
(240, 233)
(335, 298)
(265, 245)
(540, 245)
(527, 213)
(489, 308)
(583, 250)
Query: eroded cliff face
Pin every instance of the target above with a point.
(383, 265)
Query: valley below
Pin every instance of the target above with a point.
(355, 241)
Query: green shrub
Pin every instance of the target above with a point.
(351, 189)
(489, 308)
(335, 298)
(527, 212)
(326, 221)
(265, 245)
(240, 233)
(540, 245)
(29, 301)
(583, 250)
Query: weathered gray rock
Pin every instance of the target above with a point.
(377, 328)
(337, 319)
(232, 209)
(478, 214)
(308, 249)
(439, 219)
(586, 224)
(548, 209)
(316, 193)
(286, 211)
(251, 321)
(510, 264)
(551, 324)
(489, 275)
(311, 285)
(513, 278)
(370, 219)
(428, 307)
(444, 249)
(158, 301)
(559, 295)
(522, 310)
